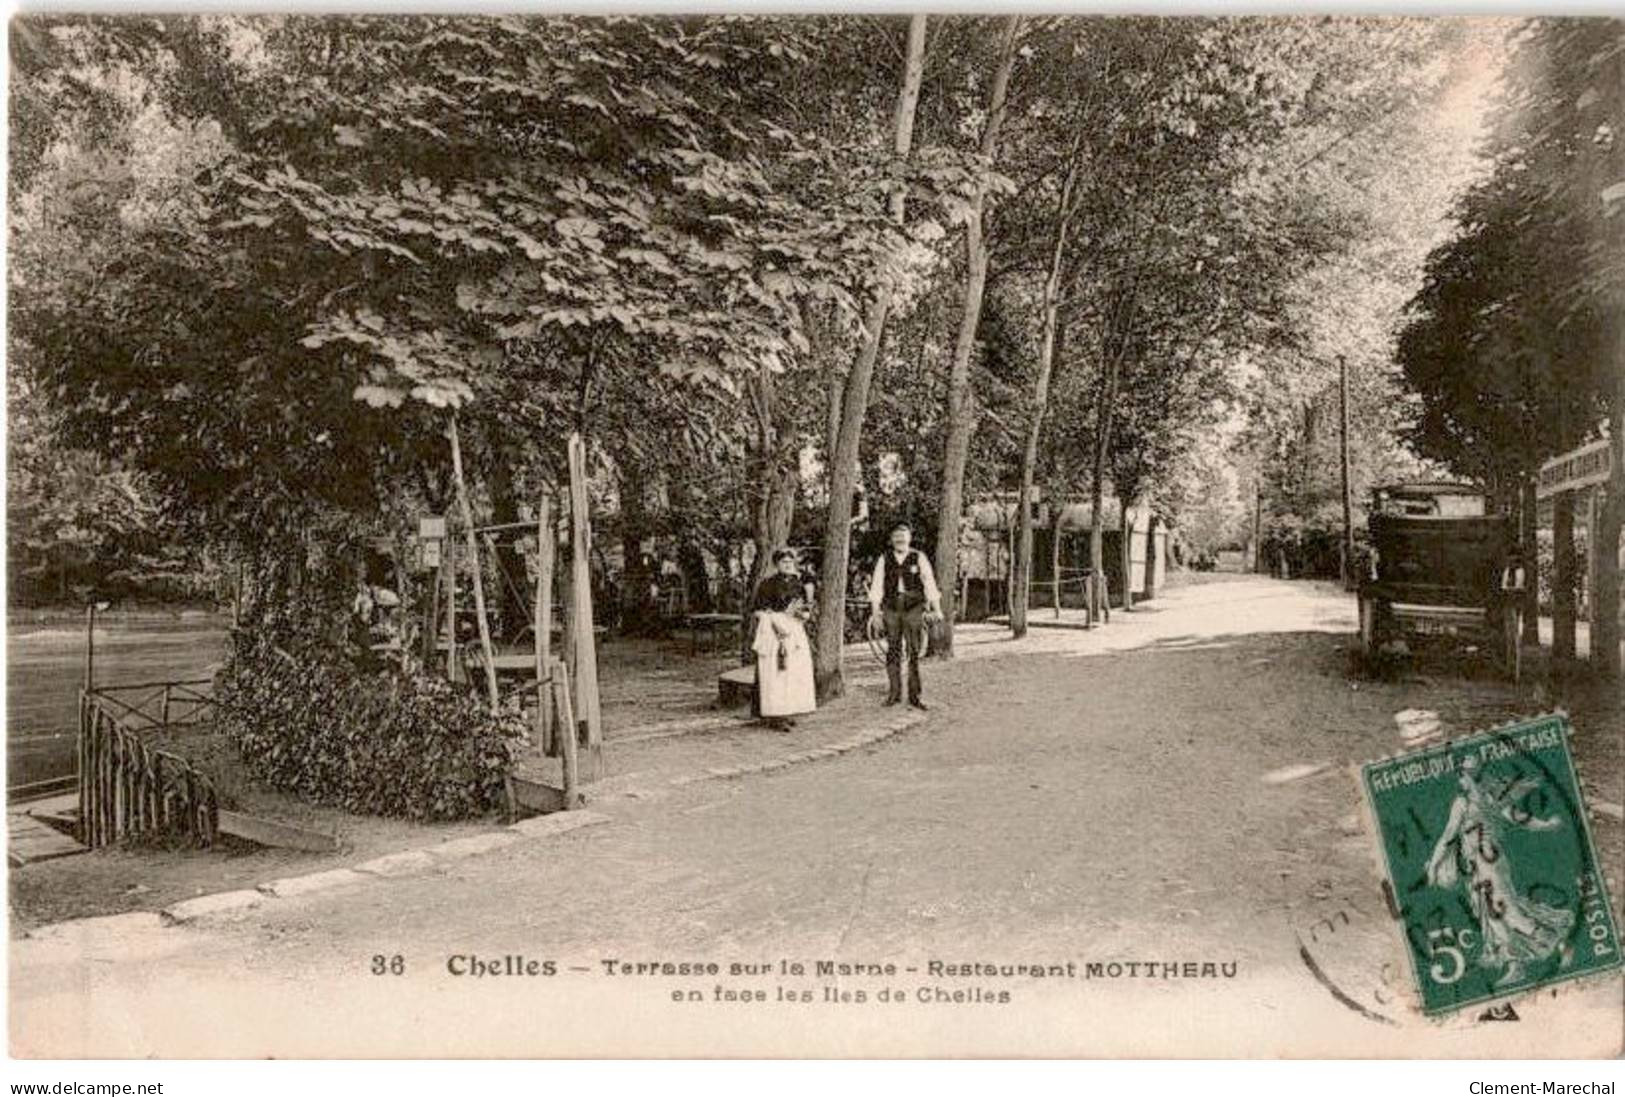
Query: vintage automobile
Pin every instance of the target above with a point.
(1440, 568)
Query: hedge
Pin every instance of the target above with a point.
(309, 721)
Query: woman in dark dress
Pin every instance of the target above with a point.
(784, 681)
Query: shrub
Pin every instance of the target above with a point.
(309, 721)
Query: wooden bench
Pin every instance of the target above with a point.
(735, 687)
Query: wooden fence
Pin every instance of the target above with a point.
(127, 787)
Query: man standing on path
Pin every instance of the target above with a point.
(903, 593)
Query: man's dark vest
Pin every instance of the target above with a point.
(913, 582)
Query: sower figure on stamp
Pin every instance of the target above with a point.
(903, 595)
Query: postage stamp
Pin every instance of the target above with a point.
(1489, 855)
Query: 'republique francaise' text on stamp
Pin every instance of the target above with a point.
(1488, 850)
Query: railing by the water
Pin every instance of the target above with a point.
(159, 704)
(128, 787)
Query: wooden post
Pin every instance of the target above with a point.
(90, 774)
(1151, 556)
(118, 786)
(1126, 521)
(586, 676)
(81, 747)
(474, 568)
(567, 602)
(431, 611)
(544, 621)
(166, 705)
(566, 721)
(448, 564)
(1563, 633)
(90, 647)
(1593, 558)
(1010, 565)
(1055, 554)
(1529, 552)
(104, 780)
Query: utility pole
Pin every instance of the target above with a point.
(1348, 500)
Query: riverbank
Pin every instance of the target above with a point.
(137, 613)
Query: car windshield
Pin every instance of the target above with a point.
(1430, 503)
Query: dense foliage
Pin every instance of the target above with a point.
(308, 720)
(1514, 341)
(259, 263)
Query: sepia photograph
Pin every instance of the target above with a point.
(817, 535)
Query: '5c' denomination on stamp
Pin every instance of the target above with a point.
(1486, 845)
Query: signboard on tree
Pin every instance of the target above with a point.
(1578, 468)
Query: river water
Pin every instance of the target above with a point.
(45, 669)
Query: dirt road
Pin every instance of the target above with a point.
(1170, 793)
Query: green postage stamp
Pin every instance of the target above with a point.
(1489, 854)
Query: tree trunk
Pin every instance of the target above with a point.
(1151, 555)
(691, 543)
(843, 470)
(1563, 568)
(1021, 570)
(961, 406)
(1097, 489)
(771, 519)
(1606, 600)
(1605, 658)
(774, 516)
(774, 506)
(1126, 523)
(1529, 550)
(638, 609)
(832, 427)
(1258, 522)
(696, 576)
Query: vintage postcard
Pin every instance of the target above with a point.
(814, 536)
